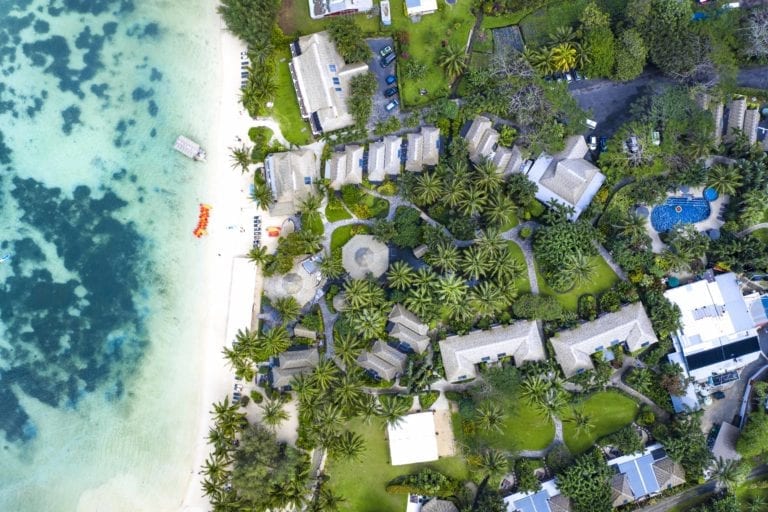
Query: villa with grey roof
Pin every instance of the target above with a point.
(345, 167)
(408, 329)
(292, 363)
(567, 177)
(384, 158)
(321, 8)
(461, 353)
(641, 475)
(629, 327)
(321, 79)
(383, 361)
(742, 118)
(482, 143)
(292, 176)
(423, 149)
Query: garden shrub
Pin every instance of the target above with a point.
(408, 227)
(535, 208)
(526, 479)
(426, 482)
(428, 399)
(244, 400)
(350, 194)
(256, 397)
(587, 307)
(388, 188)
(610, 301)
(455, 396)
(526, 232)
(627, 292)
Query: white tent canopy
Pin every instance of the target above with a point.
(413, 439)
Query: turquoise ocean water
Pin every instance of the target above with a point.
(100, 299)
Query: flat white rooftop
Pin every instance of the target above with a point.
(413, 439)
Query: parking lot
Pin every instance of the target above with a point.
(379, 112)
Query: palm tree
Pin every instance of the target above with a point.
(424, 277)
(632, 226)
(453, 191)
(327, 501)
(241, 157)
(368, 322)
(273, 413)
(259, 255)
(490, 416)
(552, 401)
(582, 422)
(349, 392)
(309, 241)
(453, 61)
(348, 446)
(451, 289)
(757, 503)
(222, 445)
(533, 388)
(215, 468)
(487, 300)
(309, 207)
(330, 420)
(507, 267)
(725, 179)
(392, 408)
(728, 473)
(238, 361)
(325, 374)
(368, 408)
(331, 266)
(563, 57)
(579, 268)
(304, 387)
(487, 178)
(428, 188)
(348, 348)
(501, 210)
(228, 418)
(212, 489)
(420, 301)
(540, 60)
(287, 307)
(358, 293)
(564, 34)
(262, 195)
(445, 257)
(491, 243)
(473, 201)
(271, 342)
(494, 463)
(400, 275)
(474, 263)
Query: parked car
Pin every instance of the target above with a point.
(568, 78)
(591, 124)
(390, 92)
(391, 105)
(593, 143)
(390, 79)
(632, 144)
(656, 138)
(387, 60)
(718, 395)
(577, 75)
(603, 143)
(385, 51)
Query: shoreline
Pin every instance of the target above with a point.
(227, 191)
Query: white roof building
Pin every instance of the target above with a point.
(574, 347)
(737, 111)
(420, 7)
(482, 143)
(423, 149)
(718, 332)
(567, 177)
(548, 499)
(321, 79)
(322, 8)
(345, 168)
(413, 439)
(384, 158)
(461, 354)
(292, 176)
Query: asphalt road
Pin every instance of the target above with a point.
(379, 111)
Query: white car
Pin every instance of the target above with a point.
(593, 143)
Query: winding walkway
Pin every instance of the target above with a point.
(329, 320)
(558, 440)
(527, 248)
(750, 229)
(609, 260)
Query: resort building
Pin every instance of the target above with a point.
(743, 118)
(299, 283)
(629, 328)
(642, 475)
(725, 442)
(482, 143)
(384, 158)
(413, 439)
(321, 80)
(420, 7)
(718, 335)
(548, 499)
(519, 341)
(408, 330)
(322, 8)
(292, 363)
(423, 149)
(292, 176)
(418, 503)
(567, 177)
(751, 122)
(364, 256)
(383, 361)
(345, 168)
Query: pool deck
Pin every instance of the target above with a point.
(710, 222)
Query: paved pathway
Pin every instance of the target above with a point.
(527, 248)
(750, 229)
(616, 381)
(609, 260)
(329, 319)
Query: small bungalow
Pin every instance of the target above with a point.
(420, 7)
(363, 255)
(383, 361)
(292, 176)
(408, 329)
(345, 168)
(292, 363)
(423, 149)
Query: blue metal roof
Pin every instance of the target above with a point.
(412, 3)
(639, 471)
(535, 503)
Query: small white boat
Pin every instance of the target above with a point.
(189, 148)
(4, 258)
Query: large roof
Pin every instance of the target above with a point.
(643, 474)
(413, 439)
(751, 122)
(292, 176)
(423, 149)
(376, 159)
(345, 168)
(299, 358)
(738, 108)
(574, 347)
(385, 361)
(725, 442)
(298, 283)
(461, 353)
(401, 315)
(419, 7)
(364, 255)
(481, 138)
(322, 81)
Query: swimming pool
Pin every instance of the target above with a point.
(679, 210)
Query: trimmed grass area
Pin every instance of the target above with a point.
(609, 412)
(505, 19)
(605, 278)
(537, 26)
(286, 108)
(523, 285)
(761, 234)
(341, 236)
(315, 225)
(369, 207)
(294, 20)
(363, 483)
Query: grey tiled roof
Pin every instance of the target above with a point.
(437, 505)
(668, 473)
(559, 503)
(574, 347)
(751, 121)
(287, 174)
(282, 377)
(386, 361)
(345, 168)
(422, 149)
(738, 109)
(569, 178)
(461, 353)
(416, 341)
(401, 315)
(621, 492)
(376, 171)
(299, 358)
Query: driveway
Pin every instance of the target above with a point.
(379, 112)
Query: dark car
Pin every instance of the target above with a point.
(389, 59)
(390, 92)
(603, 143)
(390, 79)
(385, 51)
(718, 395)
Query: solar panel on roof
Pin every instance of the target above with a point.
(645, 464)
(525, 505)
(658, 453)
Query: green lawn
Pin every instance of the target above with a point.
(375, 207)
(294, 20)
(605, 278)
(505, 19)
(286, 108)
(537, 26)
(315, 224)
(341, 236)
(761, 234)
(609, 412)
(363, 483)
(523, 285)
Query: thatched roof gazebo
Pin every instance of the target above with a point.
(364, 255)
